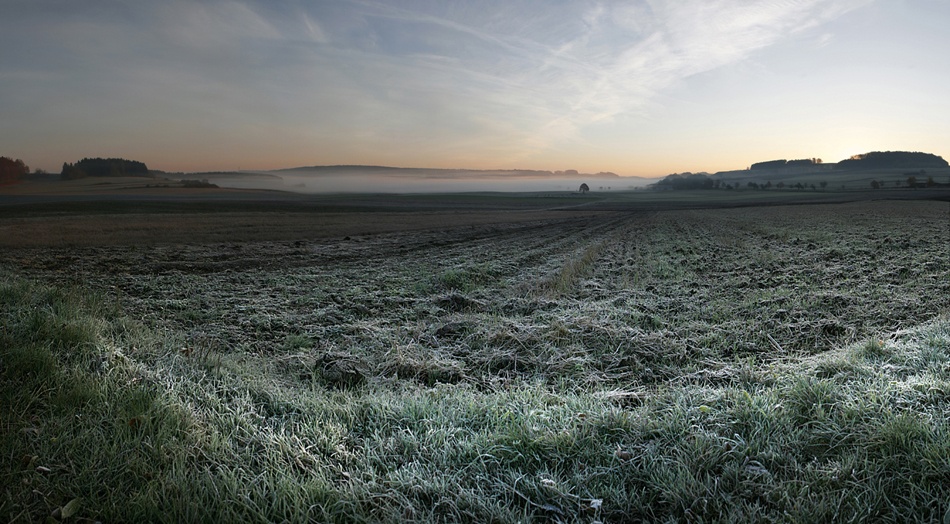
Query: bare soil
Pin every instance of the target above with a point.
(204, 227)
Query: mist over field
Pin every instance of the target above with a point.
(371, 179)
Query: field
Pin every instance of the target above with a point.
(516, 359)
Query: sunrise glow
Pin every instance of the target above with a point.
(637, 88)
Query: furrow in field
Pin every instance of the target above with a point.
(617, 299)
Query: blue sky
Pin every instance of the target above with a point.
(639, 87)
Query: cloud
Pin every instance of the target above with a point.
(452, 79)
(316, 32)
(648, 47)
(551, 73)
(212, 26)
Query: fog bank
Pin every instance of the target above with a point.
(370, 179)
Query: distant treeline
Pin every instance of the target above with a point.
(686, 181)
(776, 164)
(706, 181)
(199, 184)
(103, 167)
(11, 170)
(892, 159)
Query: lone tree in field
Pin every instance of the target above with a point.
(584, 188)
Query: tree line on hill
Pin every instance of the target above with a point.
(685, 181)
(103, 167)
(682, 181)
(892, 159)
(776, 164)
(11, 170)
(872, 160)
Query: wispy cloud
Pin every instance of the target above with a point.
(585, 63)
(506, 78)
(636, 52)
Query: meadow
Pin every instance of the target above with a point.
(592, 363)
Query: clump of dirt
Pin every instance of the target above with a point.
(341, 370)
(457, 303)
(454, 330)
(427, 372)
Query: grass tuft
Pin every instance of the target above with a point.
(573, 269)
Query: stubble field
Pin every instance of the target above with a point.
(759, 363)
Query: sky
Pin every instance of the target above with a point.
(637, 87)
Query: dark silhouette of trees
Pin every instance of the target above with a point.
(686, 181)
(911, 181)
(103, 167)
(198, 184)
(823, 184)
(771, 164)
(892, 159)
(776, 164)
(803, 162)
(71, 172)
(11, 170)
(875, 184)
(584, 188)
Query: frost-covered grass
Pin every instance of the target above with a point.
(720, 365)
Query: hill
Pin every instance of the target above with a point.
(893, 159)
(888, 169)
